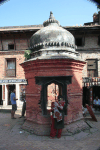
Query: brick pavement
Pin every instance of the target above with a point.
(12, 137)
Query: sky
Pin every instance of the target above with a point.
(35, 12)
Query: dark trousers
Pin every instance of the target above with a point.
(97, 107)
(23, 108)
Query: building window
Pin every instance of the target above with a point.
(79, 41)
(10, 67)
(10, 46)
(92, 68)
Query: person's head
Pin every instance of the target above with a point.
(96, 97)
(14, 91)
(60, 98)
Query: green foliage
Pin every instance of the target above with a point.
(27, 54)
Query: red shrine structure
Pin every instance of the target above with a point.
(54, 68)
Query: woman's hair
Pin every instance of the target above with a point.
(60, 96)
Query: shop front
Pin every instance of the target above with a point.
(91, 89)
(6, 88)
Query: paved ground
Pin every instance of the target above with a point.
(12, 137)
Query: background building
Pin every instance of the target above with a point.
(13, 42)
(87, 38)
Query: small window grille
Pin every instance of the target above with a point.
(79, 42)
(10, 46)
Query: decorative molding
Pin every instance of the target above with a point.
(51, 44)
(14, 52)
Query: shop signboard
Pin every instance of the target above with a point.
(13, 81)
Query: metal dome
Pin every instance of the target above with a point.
(52, 38)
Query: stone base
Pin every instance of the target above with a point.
(69, 129)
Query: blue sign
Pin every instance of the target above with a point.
(13, 81)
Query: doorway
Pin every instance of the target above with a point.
(1, 102)
(10, 90)
(63, 81)
(96, 92)
(86, 96)
(53, 90)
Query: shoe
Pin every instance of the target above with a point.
(23, 116)
(20, 117)
(52, 137)
(13, 118)
(58, 137)
(84, 115)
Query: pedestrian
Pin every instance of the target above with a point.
(23, 109)
(13, 102)
(96, 103)
(57, 117)
(24, 104)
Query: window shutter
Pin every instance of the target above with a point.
(91, 64)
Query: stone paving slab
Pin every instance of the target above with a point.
(80, 135)
(69, 138)
(92, 130)
(34, 137)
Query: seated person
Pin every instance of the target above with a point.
(84, 110)
(96, 103)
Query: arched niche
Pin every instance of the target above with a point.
(63, 81)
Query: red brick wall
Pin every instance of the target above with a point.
(53, 68)
(19, 55)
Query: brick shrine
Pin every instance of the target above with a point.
(53, 61)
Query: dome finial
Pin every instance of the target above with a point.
(51, 20)
(51, 15)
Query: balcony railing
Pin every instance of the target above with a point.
(10, 73)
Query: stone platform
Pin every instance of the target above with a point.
(68, 130)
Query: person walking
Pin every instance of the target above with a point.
(13, 102)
